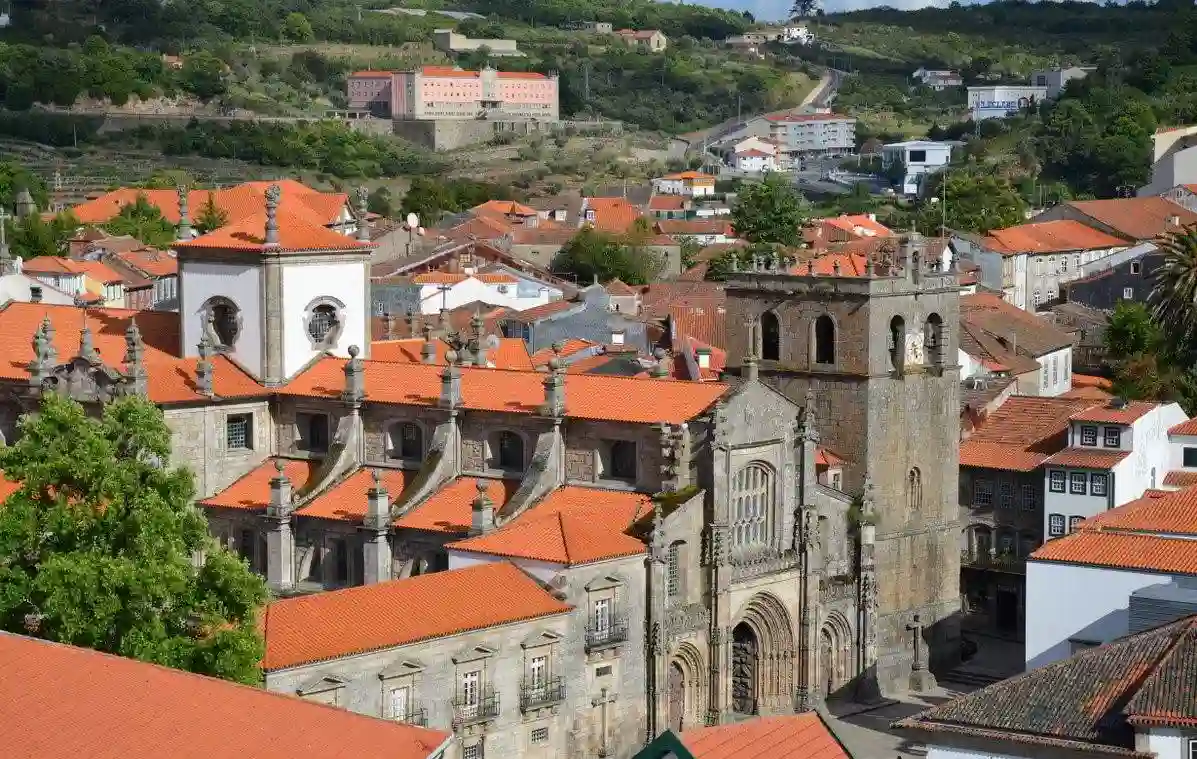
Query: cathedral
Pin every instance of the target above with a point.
(705, 550)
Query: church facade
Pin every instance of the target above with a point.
(712, 566)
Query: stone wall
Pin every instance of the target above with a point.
(198, 441)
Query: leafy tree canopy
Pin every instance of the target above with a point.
(969, 203)
(14, 178)
(142, 220)
(594, 255)
(211, 216)
(297, 28)
(430, 198)
(31, 236)
(97, 546)
(771, 211)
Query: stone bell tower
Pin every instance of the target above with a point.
(875, 341)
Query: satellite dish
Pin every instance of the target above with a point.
(491, 342)
(413, 221)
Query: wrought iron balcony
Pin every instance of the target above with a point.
(1002, 562)
(534, 695)
(481, 707)
(601, 636)
(415, 715)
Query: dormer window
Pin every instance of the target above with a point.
(1112, 437)
(1088, 435)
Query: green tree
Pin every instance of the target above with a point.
(211, 216)
(204, 75)
(803, 9)
(14, 178)
(969, 202)
(771, 211)
(379, 202)
(297, 28)
(689, 249)
(595, 255)
(31, 236)
(1131, 331)
(142, 220)
(97, 546)
(1174, 290)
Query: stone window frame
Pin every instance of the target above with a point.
(326, 683)
(813, 350)
(333, 336)
(605, 455)
(767, 521)
(546, 643)
(354, 559)
(208, 322)
(477, 658)
(675, 570)
(250, 430)
(491, 455)
(406, 673)
(311, 411)
(605, 587)
(395, 454)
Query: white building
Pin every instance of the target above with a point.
(999, 339)
(445, 290)
(797, 35)
(920, 157)
(938, 79)
(1115, 453)
(1055, 80)
(694, 184)
(753, 161)
(1001, 100)
(809, 134)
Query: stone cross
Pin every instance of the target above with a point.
(601, 703)
(916, 626)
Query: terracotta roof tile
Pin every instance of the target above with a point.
(569, 347)
(1088, 380)
(1166, 697)
(666, 203)
(833, 265)
(237, 202)
(852, 222)
(1049, 237)
(396, 613)
(251, 491)
(562, 538)
(826, 458)
(619, 288)
(504, 208)
(680, 227)
(703, 323)
(1122, 550)
(151, 262)
(450, 509)
(1088, 458)
(1074, 703)
(1178, 478)
(295, 235)
(1021, 434)
(1188, 427)
(100, 706)
(1094, 394)
(1137, 218)
(610, 214)
(512, 353)
(792, 736)
(51, 265)
(1159, 511)
(346, 500)
(99, 272)
(171, 379)
(1128, 413)
(689, 174)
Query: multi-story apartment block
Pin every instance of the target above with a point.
(446, 92)
(805, 134)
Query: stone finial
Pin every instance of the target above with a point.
(273, 194)
(810, 431)
(478, 339)
(45, 358)
(451, 382)
(835, 268)
(378, 504)
(751, 369)
(388, 326)
(482, 510)
(204, 368)
(735, 260)
(184, 228)
(554, 388)
(355, 377)
(135, 371)
(413, 323)
(24, 203)
(281, 505)
(87, 347)
(656, 546)
(363, 228)
(661, 367)
(428, 350)
(776, 261)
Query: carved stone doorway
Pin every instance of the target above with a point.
(677, 697)
(745, 659)
(827, 662)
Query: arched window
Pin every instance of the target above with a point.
(914, 489)
(982, 541)
(897, 343)
(752, 501)
(674, 576)
(935, 340)
(407, 441)
(508, 451)
(824, 340)
(322, 320)
(224, 319)
(770, 337)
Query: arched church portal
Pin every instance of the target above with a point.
(835, 655)
(763, 658)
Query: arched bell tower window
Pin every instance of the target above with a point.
(222, 322)
(897, 343)
(935, 340)
(770, 337)
(914, 489)
(824, 340)
(323, 320)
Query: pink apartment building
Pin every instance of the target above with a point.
(444, 92)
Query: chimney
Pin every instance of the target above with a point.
(661, 368)
(1174, 221)
(388, 326)
(483, 511)
(273, 193)
(704, 358)
(413, 324)
(184, 229)
(428, 350)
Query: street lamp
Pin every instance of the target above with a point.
(412, 226)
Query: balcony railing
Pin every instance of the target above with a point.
(610, 634)
(415, 715)
(534, 695)
(1002, 562)
(481, 707)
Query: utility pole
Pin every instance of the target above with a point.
(739, 101)
(586, 80)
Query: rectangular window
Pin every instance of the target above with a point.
(674, 584)
(1097, 484)
(1137, 268)
(540, 736)
(983, 493)
(621, 460)
(1112, 437)
(245, 546)
(238, 429)
(1006, 495)
(1088, 435)
(603, 671)
(400, 702)
(602, 615)
(1074, 522)
(1128, 293)
(1190, 457)
(1076, 483)
(472, 752)
(1029, 501)
(471, 691)
(538, 671)
(340, 551)
(311, 432)
(1055, 370)
(1055, 525)
(1055, 480)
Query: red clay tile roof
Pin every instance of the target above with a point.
(237, 202)
(512, 353)
(833, 265)
(1013, 328)
(1166, 698)
(1126, 414)
(791, 736)
(1049, 237)
(151, 262)
(346, 500)
(396, 613)
(1088, 458)
(99, 272)
(100, 706)
(703, 323)
(1188, 427)
(679, 227)
(826, 458)
(7, 487)
(1095, 394)
(561, 538)
(295, 235)
(569, 347)
(619, 288)
(610, 214)
(850, 222)
(171, 379)
(1122, 550)
(708, 178)
(1178, 478)
(621, 399)
(450, 509)
(504, 208)
(251, 491)
(1021, 434)
(1137, 218)
(1082, 702)
(666, 203)
(452, 71)
(51, 265)
(1088, 380)
(1159, 511)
